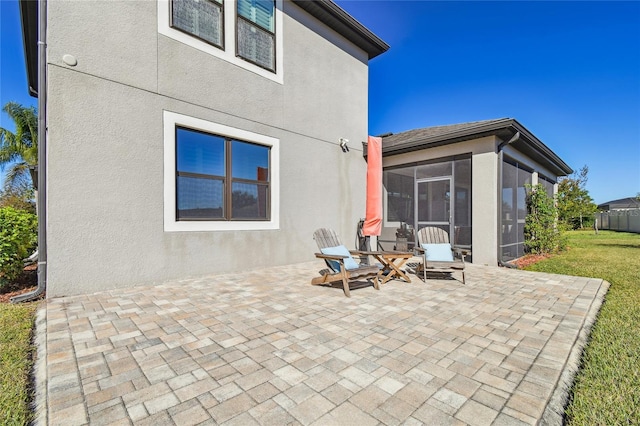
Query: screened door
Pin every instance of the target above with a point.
(434, 204)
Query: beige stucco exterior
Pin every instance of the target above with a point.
(106, 146)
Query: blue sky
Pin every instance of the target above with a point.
(13, 74)
(568, 71)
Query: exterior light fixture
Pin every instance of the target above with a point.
(343, 144)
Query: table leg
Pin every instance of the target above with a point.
(394, 269)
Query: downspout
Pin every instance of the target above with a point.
(515, 137)
(42, 157)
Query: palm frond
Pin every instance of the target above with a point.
(17, 176)
(21, 146)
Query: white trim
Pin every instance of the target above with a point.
(229, 52)
(170, 120)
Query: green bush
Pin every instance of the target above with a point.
(542, 232)
(20, 197)
(18, 239)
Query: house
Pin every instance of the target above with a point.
(619, 215)
(469, 179)
(628, 203)
(186, 137)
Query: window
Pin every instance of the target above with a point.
(256, 38)
(218, 177)
(547, 184)
(200, 18)
(515, 177)
(422, 193)
(245, 33)
(399, 185)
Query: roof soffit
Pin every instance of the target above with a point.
(344, 24)
(29, 21)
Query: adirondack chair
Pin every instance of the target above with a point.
(341, 265)
(438, 255)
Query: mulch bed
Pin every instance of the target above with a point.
(27, 282)
(529, 259)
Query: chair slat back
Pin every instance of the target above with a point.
(432, 235)
(326, 238)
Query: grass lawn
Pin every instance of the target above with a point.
(16, 322)
(607, 389)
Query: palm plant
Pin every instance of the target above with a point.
(19, 149)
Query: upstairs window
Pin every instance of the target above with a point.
(256, 38)
(220, 178)
(203, 19)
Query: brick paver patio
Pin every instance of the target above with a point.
(266, 347)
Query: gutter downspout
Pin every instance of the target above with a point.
(42, 157)
(513, 139)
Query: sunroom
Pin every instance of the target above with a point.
(469, 179)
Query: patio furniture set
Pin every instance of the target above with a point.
(433, 246)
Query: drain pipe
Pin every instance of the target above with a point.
(513, 139)
(42, 157)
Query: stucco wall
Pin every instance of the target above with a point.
(484, 217)
(105, 133)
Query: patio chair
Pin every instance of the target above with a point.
(438, 255)
(341, 265)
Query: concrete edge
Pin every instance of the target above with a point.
(39, 371)
(553, 413)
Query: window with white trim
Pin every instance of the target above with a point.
(218, 177)
(256, 38)
(203, 19)
(246, 33)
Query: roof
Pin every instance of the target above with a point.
(622, 203)
(341, 22)
(29, 18)
(503, 128)
(326, 11)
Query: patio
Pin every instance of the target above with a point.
(257, 348)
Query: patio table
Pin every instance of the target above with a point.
(391, 262)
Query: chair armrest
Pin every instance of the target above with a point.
(337, 257)
(364, 252)
(462, 253)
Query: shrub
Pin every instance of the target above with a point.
(18, 238)
(19, 197)
(543, 234)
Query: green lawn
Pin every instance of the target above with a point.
(16, 322)
(607, 388)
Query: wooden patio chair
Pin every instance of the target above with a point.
(341, 265)
(438, 255)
